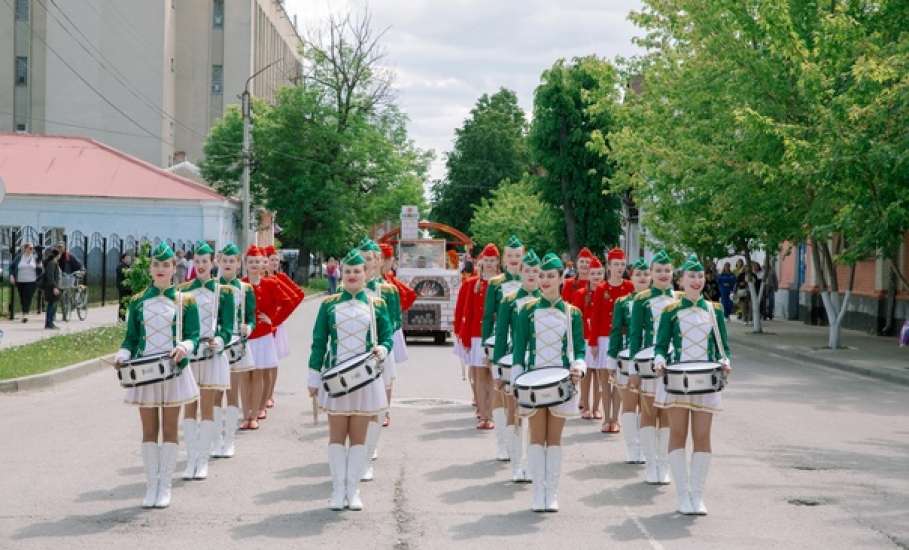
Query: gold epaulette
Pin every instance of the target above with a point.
(388, 287)
(135, 297)
(226, 289)
(188, 299)
(672, 306)
(643, 295)
(183, 285)
(497, 280)
(717, 306)
(333, 298)
(531, 303)
(510, 297)
(378, 301)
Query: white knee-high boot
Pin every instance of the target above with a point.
(150, 459)
(203, 449)
(553, 472)
(648, 447)
(632, 437)
(356, 460)
(518, 440)
(663, 456)
(190, 439)
(700, 466)
(218, 439)
(373, 430)
(337, 463)
(231, 422)
(536, 460)
(501, 433)
(166, 468)
(678, 461)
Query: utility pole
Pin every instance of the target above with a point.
(245, 196)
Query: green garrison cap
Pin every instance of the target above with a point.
(692, 264)
(514, 242)
(640, 265)
(531, 259)
(353, 258)
(230, 249)
(162, 252)
(203, 247)
(368, 245)
(551, 261)
(661, 257)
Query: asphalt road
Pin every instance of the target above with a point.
(805, 457)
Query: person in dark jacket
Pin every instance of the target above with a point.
(67, 262)
(25, 273)
(51, 285)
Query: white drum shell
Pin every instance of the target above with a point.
(144, 370)
(351, 375)
(544, 387)
(694, 378)
(643, 362)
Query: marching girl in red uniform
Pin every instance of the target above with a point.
(572, 284)
(273, 305)
(583, 300)
(273, 271)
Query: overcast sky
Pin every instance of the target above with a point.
(447, 53)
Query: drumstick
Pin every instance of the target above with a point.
(315, 410)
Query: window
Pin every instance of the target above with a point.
(218, 14)
(20, 127)
(217, 79)
(21, 10)
(21, 71)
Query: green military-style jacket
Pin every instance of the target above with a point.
(224, 326)
(494, 294)
(621, 323)
(142, 326)
(389, 293)
(249, 304)
(528, 345)
(687, 327)
(332, 334)
(642, 325)
(507, 318)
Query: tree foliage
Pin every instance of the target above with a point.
(515, 208)
(574, 108)
(489, 148)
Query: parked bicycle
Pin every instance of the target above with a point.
(74, 295)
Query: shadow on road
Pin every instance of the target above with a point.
(121, 492)
(295, 493)
(478, 470)
(609, 470)
(318, 469)
(661, 527)
(301, 524)
(518, 523)
(460, 433)
(82, 525)
(486, 492)
(636, 493)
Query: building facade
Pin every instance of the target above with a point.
(148, 77)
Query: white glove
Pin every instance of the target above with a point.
(314, 379)
(381, 352)
(579, 367)
(659, 363)
(612, 364)
(187, 346)
(244, 330)
(122, 356)
(217, 344)
(727, 365)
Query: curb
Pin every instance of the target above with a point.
(72, 372)
(54, 377)
(883, 375)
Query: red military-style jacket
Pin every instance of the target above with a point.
(291, 288)
(583, 300)
(273, 301)
(603, 304)
(468, 322)
(572, 285)
(407, 294)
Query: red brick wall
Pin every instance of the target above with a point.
(864, 278)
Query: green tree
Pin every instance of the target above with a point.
(488, 148)
(515, 208)
(574, 104)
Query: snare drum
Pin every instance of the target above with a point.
(235, 350)
(643, 362)
(351, 375)
(694, 378)
(544, 387)
(203, 351)
(490, 343)
(147, 370)
(625, 363)
(503, 369)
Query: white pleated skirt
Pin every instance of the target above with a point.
(389, 370)
(476, 355)
(369, 400)
(214, 373)
(589, 358)
(602, 352)
(245, 364)
(282, 345)
(177, 391)
(263, 352)
(458, 350)
(708, 402)
(400, 346)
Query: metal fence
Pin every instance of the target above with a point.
(99, 255)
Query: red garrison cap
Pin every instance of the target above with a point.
(490, 250)
(585, 253)
(388, 251)
(595, 263)
(254, 250)
(270, 250)
(615, 254)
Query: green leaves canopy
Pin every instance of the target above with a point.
(516, 208)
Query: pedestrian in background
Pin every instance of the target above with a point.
(711, 286)
(24, 272)
(331, 273)
(123, 288)
(51, 282)
(68, 263)
(182, 267)
(769, 299)
(727, 283)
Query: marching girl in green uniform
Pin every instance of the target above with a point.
(161, 319)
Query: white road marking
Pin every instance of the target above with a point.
(655, 544)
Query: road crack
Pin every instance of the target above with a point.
(404, 519)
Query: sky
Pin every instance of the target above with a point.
(447, 53)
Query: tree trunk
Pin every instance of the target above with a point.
(304, 264)
(834, 307)
(567, 207)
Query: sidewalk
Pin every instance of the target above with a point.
(874, 356)
(17, 333)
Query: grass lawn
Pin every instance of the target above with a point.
(59, 351)
(316, 286)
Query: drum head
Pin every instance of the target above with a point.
(625, 354)
(507, 360)
(542, 376)
(490, 342)
(644, 354)
(340, 367)
(690, 366)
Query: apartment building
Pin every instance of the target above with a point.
(148, 77)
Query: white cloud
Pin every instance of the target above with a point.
(447, 53)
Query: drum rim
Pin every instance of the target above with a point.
(175, 374)
(718, 366)
(355, 388)
(328, 374)
(145, 359)
(550, 385)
